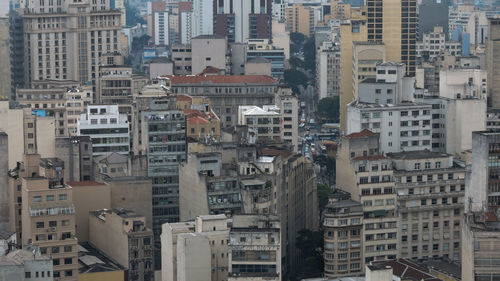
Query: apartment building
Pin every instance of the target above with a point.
(343, 236)
(254, 248)
(434, 44)
(364, 172)
(63, 102)
(493, 62)
(107, 128)
(4, 181)
(289, 110)
(328, 69)
(123, 236)
(54, 32)
(226, 93)
(48, 221)
(182, 58)
(430, 188)
(366, 56)
(208, 51)
(301, 18)
(76, 153)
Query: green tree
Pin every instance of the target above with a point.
(295, 62)
(323, 192)
(328, 108)
(133, 16)
(138, 43)
(310, 245)
(296, 42)
(294, 78)
(310, 54)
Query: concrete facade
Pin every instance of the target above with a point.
(5, 69)
(4, 181)
(493, 62)
(208, 50)
(26, 265)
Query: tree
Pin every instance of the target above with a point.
(294, 78)
(310, 244)
(323, 192)
(138, 43)
(296, 42)
(328, 108)
(132, 15)
(310, 54)
(295, 62)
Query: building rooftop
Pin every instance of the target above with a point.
(160, 60)
(19, 256)
(112, 158)
(85, 183)
(408, 270)
(265, 159)
(420, 154)
(390, 63)
(369, 157)
(371, 43)
(343, 204)
(258, 60)
(213, 217)
(448, 268)
(90, 260)
(363, 134)
(253, 182)
(209, 37)
(256, 111)
(404, 104)
(129, 179)
(221, 79)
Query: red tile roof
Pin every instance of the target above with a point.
(85, 183)
(197, 116)
(362, 134)
(371, 157)
(406, 269)
(220, 79)
(275, 152)
(490, 217)
(184, 98)
(210, 70)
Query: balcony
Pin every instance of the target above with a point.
(433, 207)
(431, 195)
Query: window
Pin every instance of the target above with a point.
(63, 197)
(37, 199)
(68, 249)
(68, 273)
(49, 198)
(40, 224)
(65, 222)
(417, 166)
(27, 274)
(68, 261)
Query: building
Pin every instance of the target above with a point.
(190, 250)
(301, 18)
(264, 48)
(434, 44)
(208, 50)
(264, 123)
(208, 187)
(123, 236)
(51, 47)
(4, 181)
(492, 62)
(5, 68)
(366, 55)
(26, 265)
(202, 18)
(343, 232)
(242, 20)
(364, 172)
(16, 34)
(226, 92)
(48, 221)
(76, 153)
(328, 69)
(289, 110)
(182, 58)
(432, 13)
(255, 248)
(161, 28)
(160, 66)
(351, 31)
(430, 188)
(400, 42)
(63, 102)
(108, 129)
(258, 66)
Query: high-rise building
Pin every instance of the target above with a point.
(208, 51)
(16, 34)
(264, 48)
(202, 19)
(242, 20)
(493, 62)
(4, 180)
(365, 57)
(161, 28)
(395, 23)
(5, 69)
(328, 69)
(64, 41)
(301, 18)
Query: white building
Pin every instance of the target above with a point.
(107, 128)
(462, 83)
(402, 127)
(289, 109)
(203, 18)
(161, 26)
(328, 70)
(263, 122)
(186, 27)
(434, 44)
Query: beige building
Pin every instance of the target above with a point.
(64, 103)
(354, 30)
(123, 236)
(53, 34)
(430, 188)
(193, 251)
(368, 176)
(343, 235)
(258, 66)
(89, 196)
(301, 18)
(48, 221)
(400, 42)
(493, 62)
(340, 10)
(182, 58)
(328, 69)
(289, 110)
(365, 57)
(208, 50)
